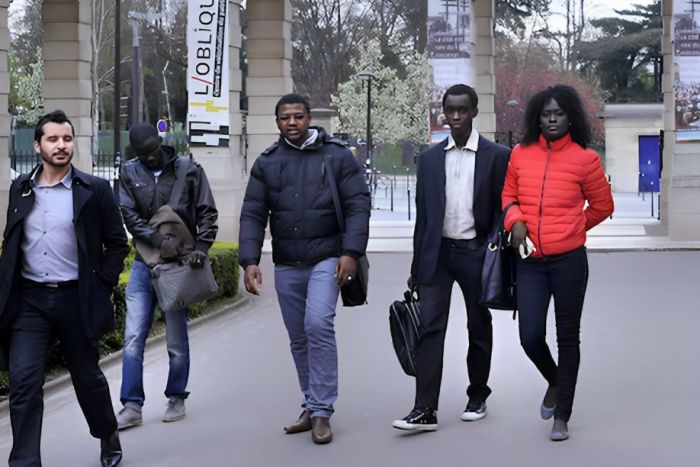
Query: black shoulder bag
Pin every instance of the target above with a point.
(498, 285)
(354, 293)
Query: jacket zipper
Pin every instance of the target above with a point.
(544, 179)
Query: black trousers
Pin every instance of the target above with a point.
(563, 277)
(459, 261)
(46, 313)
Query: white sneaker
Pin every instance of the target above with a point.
(175, 410)
(474, 412)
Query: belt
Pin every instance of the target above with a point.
(462, 243)
(50, 285)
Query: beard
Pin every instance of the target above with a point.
(53, 160)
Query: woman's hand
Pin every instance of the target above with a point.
(518, 234)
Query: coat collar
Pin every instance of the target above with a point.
(557, 144)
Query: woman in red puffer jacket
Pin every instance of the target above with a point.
(551, 176)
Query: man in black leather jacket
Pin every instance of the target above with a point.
(146, 183)
(313, 255)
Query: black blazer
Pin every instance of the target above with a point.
(490, 168)
(102, 247)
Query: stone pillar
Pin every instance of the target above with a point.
(483, 64)
(4, 113)
(67, 55)
(324, 118)
(224, 166)
(680, 182)
(269, 49)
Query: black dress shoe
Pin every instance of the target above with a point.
(302, 424)
(111, 450)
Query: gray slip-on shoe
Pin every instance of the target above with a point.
(175, 410)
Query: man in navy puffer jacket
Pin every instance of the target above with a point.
(313, 255)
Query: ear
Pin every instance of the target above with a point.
(475, 113)
(37, 147)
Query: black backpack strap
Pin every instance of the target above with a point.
(327, 169)
(182, 165)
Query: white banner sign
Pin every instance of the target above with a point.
(450, 52)
(207, 72)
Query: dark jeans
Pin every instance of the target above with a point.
(460, 261)
(563, 277)
(46, 313)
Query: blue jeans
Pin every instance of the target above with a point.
(307, 297)
(140, 305)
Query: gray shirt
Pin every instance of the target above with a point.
(49, 245)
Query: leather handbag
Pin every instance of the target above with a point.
(404, 324)
(354, 293)
(177, 284)
(498, 281)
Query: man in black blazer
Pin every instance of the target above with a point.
(63, 249)
(458, 199)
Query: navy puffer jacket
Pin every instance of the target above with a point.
(290, 187)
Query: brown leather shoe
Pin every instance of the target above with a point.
(302, 424)
(321, 430)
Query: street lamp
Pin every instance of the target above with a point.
(512, 105)
(367, 76)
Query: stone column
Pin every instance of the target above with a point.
(224, 166)
(483, 65)
(67, 56)
(680, 200)
(269, 69)
(4, 114)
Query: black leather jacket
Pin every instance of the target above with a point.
(141, 195)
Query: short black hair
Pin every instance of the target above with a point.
(460, 90)
(57, 116)
(293, 99)
(570, 102)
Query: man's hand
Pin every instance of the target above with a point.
(169, 248)
(345, 270)
(197, 259)
(518, 234)
(252, 279)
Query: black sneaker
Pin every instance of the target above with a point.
(476, 410)
(420, 419)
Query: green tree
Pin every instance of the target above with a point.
(627, 56)
(26, 98)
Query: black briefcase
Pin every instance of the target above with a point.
(404, 323)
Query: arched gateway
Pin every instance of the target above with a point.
(269, 52)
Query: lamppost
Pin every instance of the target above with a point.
(512, 105)
(116, 125)
(367, 76)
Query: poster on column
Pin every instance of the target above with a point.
(207, 73)
(686, 69)
(450, 54)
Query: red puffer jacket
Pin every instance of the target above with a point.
(550, 181)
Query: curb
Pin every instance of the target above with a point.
(64, 378)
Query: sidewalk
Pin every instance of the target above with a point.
(632, 227)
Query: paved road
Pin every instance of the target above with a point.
(638, 398)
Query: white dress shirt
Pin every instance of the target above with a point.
(459, 188)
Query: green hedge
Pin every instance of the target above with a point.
(224, 262)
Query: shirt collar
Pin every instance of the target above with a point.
(472, 141)
(313, 135)
(66, 181)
